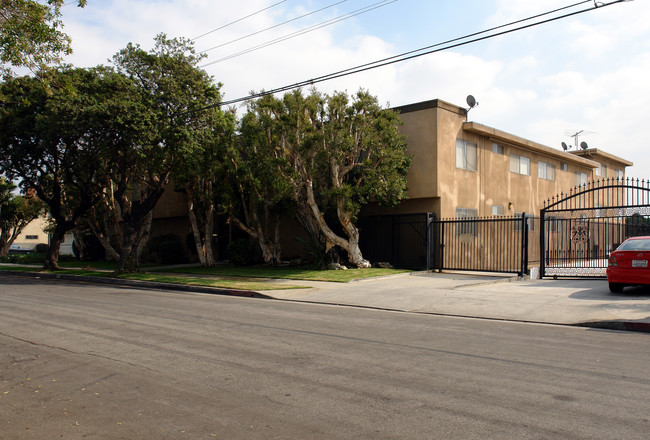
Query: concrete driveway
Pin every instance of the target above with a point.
(562, 301)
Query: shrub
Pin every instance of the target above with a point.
(41, 248)
(239, 252)
(166, 249)
(93, 249)
(30, 258)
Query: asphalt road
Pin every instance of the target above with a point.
(99, 362)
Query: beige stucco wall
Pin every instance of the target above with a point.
(436, 185)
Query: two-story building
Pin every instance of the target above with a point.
(465, 169)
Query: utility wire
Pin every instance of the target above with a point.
(308, 29)
(238, 20)
(273, 27)
(413, 54)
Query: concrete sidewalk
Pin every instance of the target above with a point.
(563, 301)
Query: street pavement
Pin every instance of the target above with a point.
(562, 301)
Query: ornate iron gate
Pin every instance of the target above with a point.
(580, 229)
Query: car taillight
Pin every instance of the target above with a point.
(612, 261)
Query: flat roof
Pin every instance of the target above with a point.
(502, 136)
(433, 103)
(596, 153)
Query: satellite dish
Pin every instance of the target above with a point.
(471, 101)
(565, 146)
(584, 145)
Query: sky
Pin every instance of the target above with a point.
(586, 73)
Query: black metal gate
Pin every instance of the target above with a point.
(580, 229)
(492, 244)
(421, 241)
(402, 240)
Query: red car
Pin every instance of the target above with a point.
(628, 264)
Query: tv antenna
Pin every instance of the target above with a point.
(576, 139)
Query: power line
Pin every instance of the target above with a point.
(306, 30)
(414, 54)
(273, 27)
(238, 20)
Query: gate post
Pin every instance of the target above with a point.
(430, 243)
(542, 239)
(524, 245)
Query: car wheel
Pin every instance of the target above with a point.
(616, 287)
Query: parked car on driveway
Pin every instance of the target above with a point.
(15, 249)
(628, 264)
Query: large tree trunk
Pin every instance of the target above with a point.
(52, 256)
(351, 245)
(202, 236)
(129, 259)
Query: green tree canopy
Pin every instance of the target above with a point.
(31, 34)
(56, 136)
(16, 211)
(343, 153)
(172, 88)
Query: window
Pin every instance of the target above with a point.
(530, 221)
(554, 224)
(581, 178)
(618, 174)
(564, 166)
(498, 149)
(31, 237)
(601, 171)
(468, 227)
(520, 164)
(466, 155)
(545, 170)
(498, 210)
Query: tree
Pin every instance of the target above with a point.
(54, 136)
(173, 89)
(344, 152)
(262, 188)
(203, 178)
(16, 212)
(31, 35)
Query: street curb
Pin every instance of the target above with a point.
(633, 326)
(140, 284)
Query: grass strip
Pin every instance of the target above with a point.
(223, 283)
(290, 272)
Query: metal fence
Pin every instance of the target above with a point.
(421, 241)
(491, 244)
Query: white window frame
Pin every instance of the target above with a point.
(601, 171)
(466, 228)
(464, 152)
(498, 149)
(581, 178)
(498, 210)
(519, 164)
(545, 170)
(564, 166)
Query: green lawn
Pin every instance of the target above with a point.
(289, 272)
(224, 283)
(244, 278)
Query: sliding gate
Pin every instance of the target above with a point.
(580, 229)
(422, 241)
(493, 244)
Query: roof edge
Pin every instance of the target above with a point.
(498, 135)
